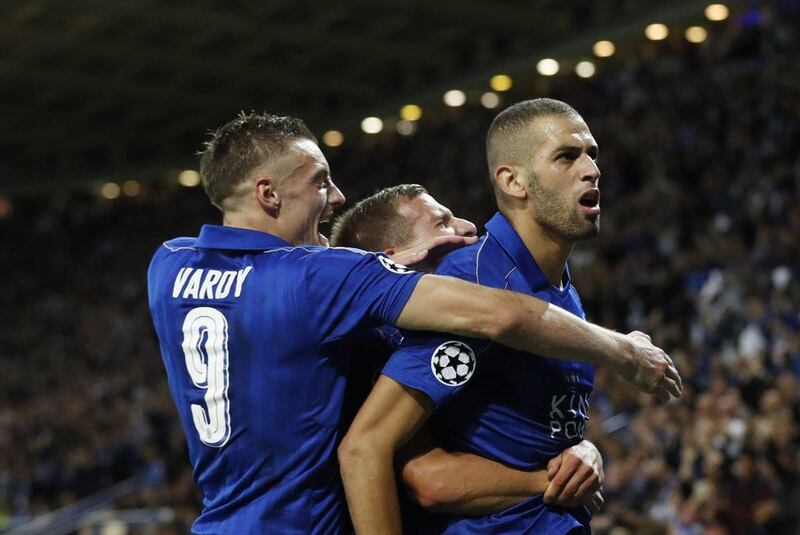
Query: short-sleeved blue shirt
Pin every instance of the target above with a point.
(253, 334)
(496, 402)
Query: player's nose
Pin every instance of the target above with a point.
(335, 196)
(590, 171)
(464, 227)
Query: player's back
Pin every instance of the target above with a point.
(252, 362)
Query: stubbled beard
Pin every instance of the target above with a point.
(559, 216)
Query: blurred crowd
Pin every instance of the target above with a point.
(699, 246)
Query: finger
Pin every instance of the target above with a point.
(451, 239)
(588, 488)
(557, 484)
(673, 374)
(578, 479)
(598, 501)
(552, 467)
(670, 386)
(661, 393)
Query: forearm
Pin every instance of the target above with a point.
(512, 319)
(460, 483)
(369, 481)
(389, 417)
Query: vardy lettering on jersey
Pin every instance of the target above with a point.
(198, 283)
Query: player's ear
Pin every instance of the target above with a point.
(511, 181)
(267, 196)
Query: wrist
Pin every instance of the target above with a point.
(614, 350)
(537, 482)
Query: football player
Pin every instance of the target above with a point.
(490, 399)
(407, 223)
(253, 328)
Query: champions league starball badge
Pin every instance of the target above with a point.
(453, 363)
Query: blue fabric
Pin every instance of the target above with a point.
(516, 408)
(255, 332)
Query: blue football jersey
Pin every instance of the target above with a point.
(509, 406)
(253, 334)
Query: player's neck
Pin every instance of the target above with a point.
(259, 223)
(549, 251)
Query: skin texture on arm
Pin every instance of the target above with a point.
(465, 484)
(455, 483)
(528, 324)
(462, 483)
(387, 420)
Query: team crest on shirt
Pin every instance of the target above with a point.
(394, 267)
(453, 363)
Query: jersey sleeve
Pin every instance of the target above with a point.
(346, 287)
(437, 364)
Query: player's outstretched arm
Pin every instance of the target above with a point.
(450, 305)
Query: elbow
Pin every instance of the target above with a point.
(350, 452)
(425, 486)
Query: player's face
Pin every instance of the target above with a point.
(308, 194)
(429, 219)
(563, 178)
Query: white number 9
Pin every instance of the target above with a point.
(205, 346)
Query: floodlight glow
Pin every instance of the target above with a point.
(717, 12)
(585, 69)
(372, 125)
(189, 178)
(547, 67)
(604, 49)
(333, 138)
(501, 82)
(490, 100)
(405, 127)
(110, 190)
(656, 31)
(131, 188)
(454, 98)
(410, 112)
(696, 34)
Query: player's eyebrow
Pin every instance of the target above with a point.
(592, 151)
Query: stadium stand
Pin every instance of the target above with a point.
(699, 246)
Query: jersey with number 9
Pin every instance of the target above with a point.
(254, 336)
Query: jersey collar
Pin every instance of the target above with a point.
(502, 231)
(238, 239)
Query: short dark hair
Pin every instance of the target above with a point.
(503, 141)
(374, 223)
(242, 145)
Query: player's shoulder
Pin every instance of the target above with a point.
(172, 248)
(483, 262)
(463, 262)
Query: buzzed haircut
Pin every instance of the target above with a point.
(374, 223)
(505, 143)
(242, 145)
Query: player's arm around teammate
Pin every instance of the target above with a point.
(407, 223)
(460, 483)
(393, 413)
